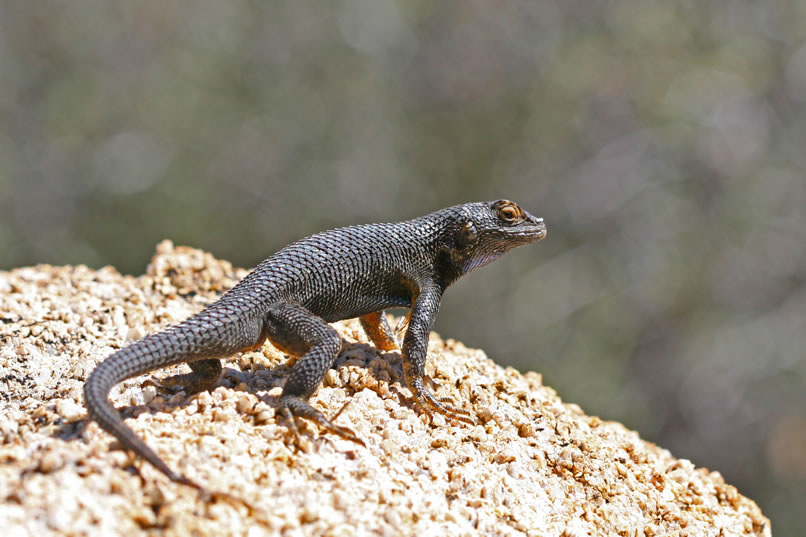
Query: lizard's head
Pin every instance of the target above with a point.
(488, 230)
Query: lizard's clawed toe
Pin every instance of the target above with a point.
(431, 405)
(294, 407)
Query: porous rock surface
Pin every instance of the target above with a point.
(532, 465)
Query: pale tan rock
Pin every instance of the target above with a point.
(532, 465)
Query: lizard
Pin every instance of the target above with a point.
(290, 297)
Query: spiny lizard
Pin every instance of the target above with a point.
(290, 298)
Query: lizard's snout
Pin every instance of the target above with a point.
(537, 228)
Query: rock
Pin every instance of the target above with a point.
(532, 465)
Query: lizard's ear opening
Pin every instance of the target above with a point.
(467, 235)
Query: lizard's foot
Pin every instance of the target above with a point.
(187, 382)
(179, 382)
(294, 407)
(431, 404)
(204, 377)
(447, 402)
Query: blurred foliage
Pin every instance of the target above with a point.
(663, 142)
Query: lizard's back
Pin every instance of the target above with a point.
(347, 272)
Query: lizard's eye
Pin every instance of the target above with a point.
(509, 213)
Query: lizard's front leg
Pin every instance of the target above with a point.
(377, 328)
(415, 350)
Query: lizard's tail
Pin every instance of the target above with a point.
(152, 352)
(222, 329)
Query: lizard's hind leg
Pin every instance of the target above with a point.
(296, 331)
(246, 336)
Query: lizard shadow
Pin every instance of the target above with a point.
(258, 380)
(355, 363)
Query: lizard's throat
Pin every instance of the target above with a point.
(479, 260)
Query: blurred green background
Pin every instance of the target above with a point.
(662, 141)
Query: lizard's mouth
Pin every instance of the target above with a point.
(534, 231)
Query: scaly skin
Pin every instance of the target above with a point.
(290, 298)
